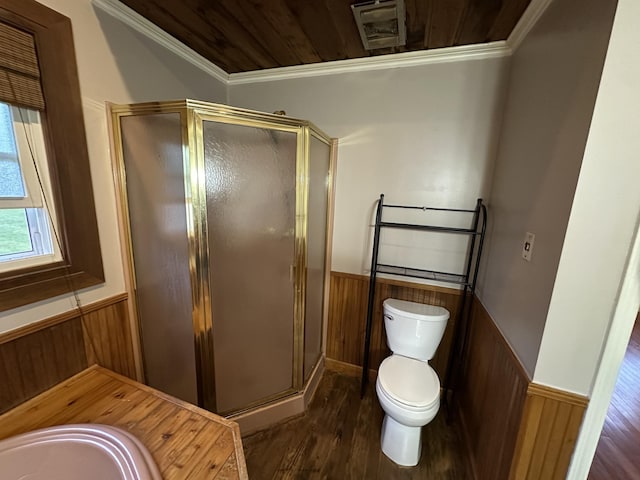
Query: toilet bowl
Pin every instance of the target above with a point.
(408, 388)
(409, 393)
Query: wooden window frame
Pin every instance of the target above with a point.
(68, 158)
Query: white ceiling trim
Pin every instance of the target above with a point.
(379, 62)
(91, 104)
(136, 21)
(529, 18)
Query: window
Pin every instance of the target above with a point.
(26, 220)
(45, 178)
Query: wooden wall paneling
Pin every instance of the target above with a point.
(57, 319)
(36, 357)
(547, 435)
(444, 297)
(107, 339)
(513, 429)
(490, 398)
(31, 364)
(348, 312)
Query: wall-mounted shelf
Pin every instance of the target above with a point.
(466, 279)
(424, 274)
(428, 228)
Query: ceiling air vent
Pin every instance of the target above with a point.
(380, 23)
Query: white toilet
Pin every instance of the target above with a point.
(408, 388)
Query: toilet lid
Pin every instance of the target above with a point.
(416, 311)
(409, 381)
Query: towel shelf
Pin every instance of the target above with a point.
(455, 278)
(429, 228)
(466, 280)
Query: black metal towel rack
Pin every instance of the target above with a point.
(467, 279)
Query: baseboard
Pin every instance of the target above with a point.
(281, 410)
(269, 415)
(348, 369)
(314, 381)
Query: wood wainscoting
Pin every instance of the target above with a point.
(547, 436)
(490, 399)
(36, 357)
(348, 314)
(512, 428)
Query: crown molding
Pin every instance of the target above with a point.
(529, 18)
(394, 60)
(145, 27)
(91, 104)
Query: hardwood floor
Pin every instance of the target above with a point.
(339, 438)
(618, 453)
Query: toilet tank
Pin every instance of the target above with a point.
(414, 330)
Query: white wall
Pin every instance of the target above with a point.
(552, 89)
(607, 195)
(613, 354)
(422, 135)
(119, 65)
(602, 226)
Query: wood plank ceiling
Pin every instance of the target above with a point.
(247, 35)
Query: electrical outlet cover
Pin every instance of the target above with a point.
(527, 246)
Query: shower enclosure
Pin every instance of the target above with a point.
(227, 215)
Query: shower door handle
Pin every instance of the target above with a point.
(292, 273)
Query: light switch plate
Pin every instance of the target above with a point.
(527, 246)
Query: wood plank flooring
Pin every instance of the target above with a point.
(618, 453)
(339, 438)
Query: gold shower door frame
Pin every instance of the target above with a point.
(192, 115)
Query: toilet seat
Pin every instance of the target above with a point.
(411, 383)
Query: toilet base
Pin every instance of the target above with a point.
(401, 443)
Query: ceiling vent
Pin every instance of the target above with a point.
(381, 23)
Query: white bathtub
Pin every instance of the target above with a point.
(76, 452)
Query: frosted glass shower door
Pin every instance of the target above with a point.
(251, 217)
(319, 159)
(154, 163)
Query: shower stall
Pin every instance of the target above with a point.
(227, 215)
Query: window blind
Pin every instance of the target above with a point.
(19, 72)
